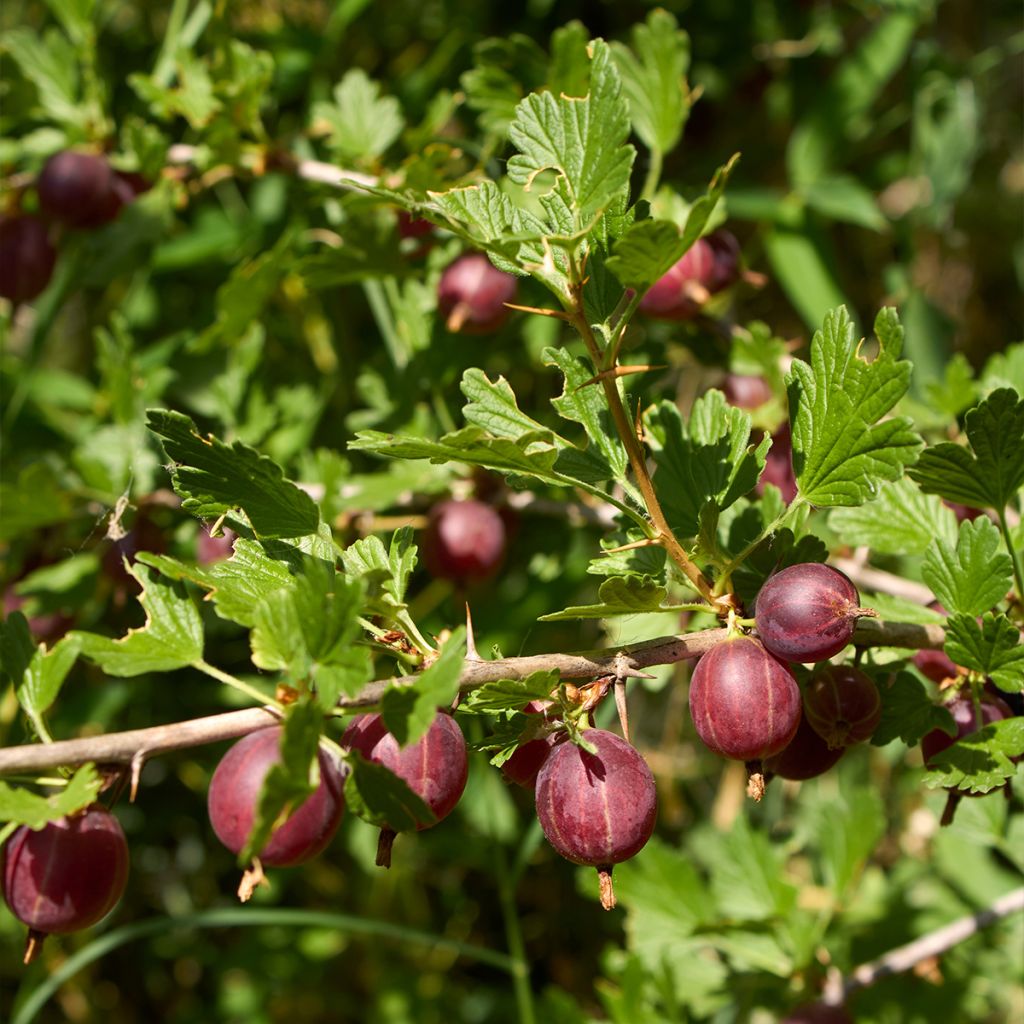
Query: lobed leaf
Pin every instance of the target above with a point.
(653, 77)
(900, 520)
(172, 636)
(708, 459)
(582, 138)
(981, 761)
(992, 647)
(213, 478)
(991, 472)
(974, 576)
(844, 443)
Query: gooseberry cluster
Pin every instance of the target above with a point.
(745, 701)
(76, 190)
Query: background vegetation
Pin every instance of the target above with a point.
(882, 164)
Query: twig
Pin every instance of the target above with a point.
(884, 582)
(620, 663)
(905, 957)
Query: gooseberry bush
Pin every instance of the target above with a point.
(555, 544)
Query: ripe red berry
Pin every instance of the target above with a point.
(235, 789)
(708, 266)
(807, 612)
(597, 809)
(746, 392)
(78, 189)
(435, 767)
(66, 876)
(936, 665)
(464, 541)
(843, 705)
(805, 757)
(745, 703)
(472, 293)
(524, 765)
(26, 257)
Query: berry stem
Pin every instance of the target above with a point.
(33, 945)
(604, 878)
(384, 843)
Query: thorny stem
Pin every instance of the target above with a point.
(903, 958)
(625, 662)
(627, 433)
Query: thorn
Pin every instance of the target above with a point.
(638, 424)
(620, 706)
(620, 371)
(138, 763)
(556, 313)
(647, 542)
(472, 654)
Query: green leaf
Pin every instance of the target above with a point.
(507, 695)
(408, 711)
(991, 472)
(360, 124)
(981, 761)
(839, 108)
(37, 674)
(654, 80)
(802, 260)
(908, 713)
(172, 636)
(48, 60)
(843, 444)
(237, 586)
(213, 478)
(243, 297)
(582, 138)
(368, 559)
(309, 629)
(846, 831)
(1005, 369)
(495, 84)
(643, 561)
(618, 595)
(901, 520)
(957, 391)
(746, 874)
(649, 248)
(588, 406)
(23, 807)
(36, 498)
(193, 97)
(290, 780)
(708, 459)
(846, 199)
(377, 795)
(992, 647)
(975, 575)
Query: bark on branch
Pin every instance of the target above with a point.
(628, 661)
